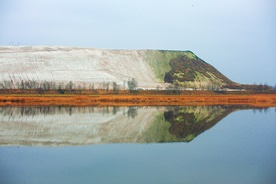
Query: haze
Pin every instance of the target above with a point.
(237, 37)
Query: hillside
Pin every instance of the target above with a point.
(185, 69)
(99, 67)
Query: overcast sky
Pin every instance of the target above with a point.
(237, 37)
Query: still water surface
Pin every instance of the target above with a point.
(217, 144)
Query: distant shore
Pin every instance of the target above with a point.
(258, 100)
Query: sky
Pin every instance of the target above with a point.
(236, 37)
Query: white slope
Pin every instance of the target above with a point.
(64, 64)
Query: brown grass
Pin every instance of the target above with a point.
(259, 100)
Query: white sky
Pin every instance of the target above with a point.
(237, 37)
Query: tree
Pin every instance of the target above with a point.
(115, 87)
(106, 86)
(132, 85)
(7, 84)
(60, 90)
(132, 112)
(22, 85)
(70, 85)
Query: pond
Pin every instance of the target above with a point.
(187, 144)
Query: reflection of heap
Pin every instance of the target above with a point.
(188, 122)
(50, 126)
(183, 124)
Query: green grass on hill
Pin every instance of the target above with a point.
(159, 60)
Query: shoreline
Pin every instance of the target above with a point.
(257, 100)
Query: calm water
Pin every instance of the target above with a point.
(221, 144)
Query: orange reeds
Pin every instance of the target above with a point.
(261, 100)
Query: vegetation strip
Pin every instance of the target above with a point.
(261, 100)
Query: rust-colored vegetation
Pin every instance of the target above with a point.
(140, 99)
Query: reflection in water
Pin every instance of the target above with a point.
(53, 110)
(57, 125)
(26, 111)
(188, 122)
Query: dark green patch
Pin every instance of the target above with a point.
(184, 68)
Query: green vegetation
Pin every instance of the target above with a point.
(190, 55)
(185, 69)
(159, 60)
(132, 85)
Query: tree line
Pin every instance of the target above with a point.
(61, 87)
(131, 86)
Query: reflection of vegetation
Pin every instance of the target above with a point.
(188, 123)
(183, 124)
(158, 132)
(25, 111)
(132, 112)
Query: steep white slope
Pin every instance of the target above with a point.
(75, 64)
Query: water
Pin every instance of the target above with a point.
(221, 144)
